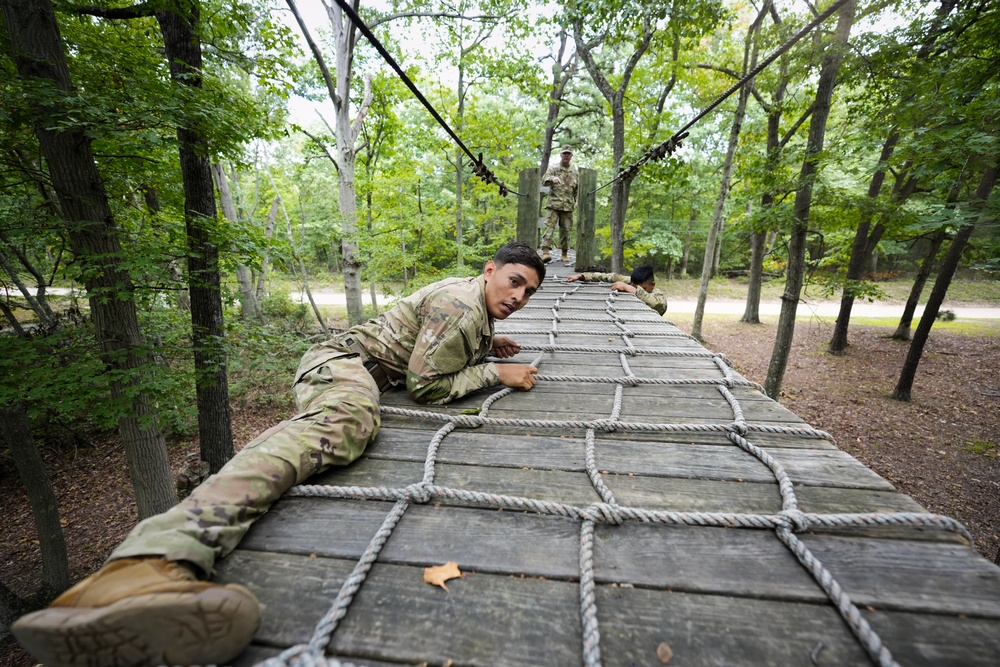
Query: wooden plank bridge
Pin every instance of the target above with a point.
(643, 504)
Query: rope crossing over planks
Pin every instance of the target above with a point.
(785, 523)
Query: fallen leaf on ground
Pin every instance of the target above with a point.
(439, 574)
(664, 653)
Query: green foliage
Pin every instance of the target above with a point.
(278, 305)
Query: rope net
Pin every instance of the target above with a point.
(785, 524)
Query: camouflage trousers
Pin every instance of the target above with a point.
(564, 220)
(338, 404)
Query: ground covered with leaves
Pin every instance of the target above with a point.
(941, 448)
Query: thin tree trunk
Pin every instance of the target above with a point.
(298, 257)
(803, 201)
(905, 385)
(903, 329)
(42, 313)
(713, 243)
(751, 313)
(616, 98)
(249, 308)
(855, 265)
(459, 164)
(38, 54)
(687, 239)
(183, 51)
(38, 302)
(15, 431)
(272, 216)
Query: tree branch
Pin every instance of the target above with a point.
(141, 10)
(319, 143)
(446, 15)
(794, 128)
(331, 87)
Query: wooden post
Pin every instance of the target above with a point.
(527, 206)
(586, 209)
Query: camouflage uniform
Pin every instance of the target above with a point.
(561, 202)
(433, 340)
(656, 299)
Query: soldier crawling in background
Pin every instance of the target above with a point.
(642, 283)
(147, 605)
(564, 182)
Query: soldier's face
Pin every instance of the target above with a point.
(508, 288)
(566, 157)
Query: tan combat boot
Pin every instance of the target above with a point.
(546, 257)
(141, 611)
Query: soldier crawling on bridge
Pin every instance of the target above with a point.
(642, 283)
(148, 606)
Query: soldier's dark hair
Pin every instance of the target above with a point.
(641, 274)
(517, 252)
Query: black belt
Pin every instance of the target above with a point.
(370, 363)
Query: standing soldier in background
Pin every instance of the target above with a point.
(563, 181)
(642, 283)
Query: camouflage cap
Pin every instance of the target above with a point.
(565, 149)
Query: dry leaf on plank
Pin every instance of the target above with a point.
(439, 574)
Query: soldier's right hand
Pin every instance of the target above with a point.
(573, 278)
(557, 180)
(518, 376)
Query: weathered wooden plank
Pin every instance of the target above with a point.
(765, 440)
(905, 575)
(937, 640)
(549, 485)
(712, 630)
(396, 617)
(822, 468)
(697, 495)
(911, 576)
(484, 540)
(474, 447)
(658, 459)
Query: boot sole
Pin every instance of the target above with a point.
(209, 627)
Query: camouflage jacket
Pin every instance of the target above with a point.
(433, 340)
(656, 299)
(562, 196)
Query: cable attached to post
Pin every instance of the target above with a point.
(674, 142)
(479, 167)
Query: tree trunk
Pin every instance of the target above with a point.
(803, 201)
(945, 274)
(616, 98)
(903, 329)
(713, 245)
(183, 51)
(687, 239)
(298, 257)
(249, 308)
(751, 314)
(561, 75)
(15, 431)
(855, 265)
(272, 216)
(38, 53)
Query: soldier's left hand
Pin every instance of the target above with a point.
(504, 347)
(623, 287)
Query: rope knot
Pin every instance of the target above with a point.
(796, 520)
(630, 381)
(469, 421)
(740, 427)
(417, 493)
(606, 512)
